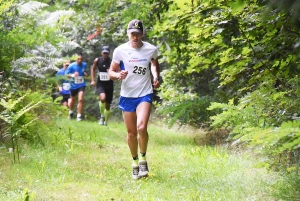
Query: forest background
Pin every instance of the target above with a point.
(225, 65)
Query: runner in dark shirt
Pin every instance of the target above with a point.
(105, 86)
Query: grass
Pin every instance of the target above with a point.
(86, 161)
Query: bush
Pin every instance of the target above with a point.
(186, 108)
(263, 117)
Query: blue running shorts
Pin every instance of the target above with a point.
(130, 104)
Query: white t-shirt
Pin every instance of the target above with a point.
(136, 61)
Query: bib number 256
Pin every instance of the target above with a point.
(140, 70)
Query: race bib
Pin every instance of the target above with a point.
(78, 80)
(66, 86)
(140, 70)
(104, 76)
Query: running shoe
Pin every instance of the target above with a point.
(135, 172)
(143, 169)
(70, 116)
(101, 122)
(79, 119)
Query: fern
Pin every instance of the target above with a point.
(30, 7)
(52, 18)
(18, 132)
(25, 109)
(277, 140)
(254, 121)
(68, 46)
(41, 60)
(11, 104)
(47, 49)
(11, 114)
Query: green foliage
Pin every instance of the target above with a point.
(8, 50)
(89, 170)
(243, 55)
(25, 116)
(232, 39)
(262, 124)
(11, 115)
(288, 188)
(46, 38)
(27, 195)
(186, 108)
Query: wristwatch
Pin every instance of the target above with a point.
(158, 79)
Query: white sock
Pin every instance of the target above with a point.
(78, 115)
(70, 112)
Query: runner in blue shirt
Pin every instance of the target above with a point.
(63, 85)
(76, 72)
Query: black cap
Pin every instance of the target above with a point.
(135, 26)
(105, 49)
